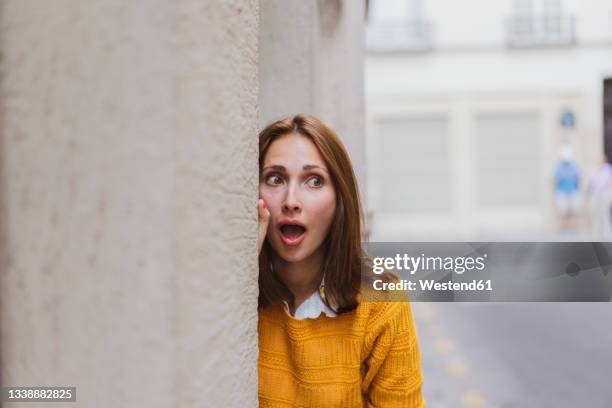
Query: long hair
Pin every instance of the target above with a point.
(343, 254)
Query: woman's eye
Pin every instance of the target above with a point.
(315, 181)
(274, 179)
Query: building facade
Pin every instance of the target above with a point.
(468, 104)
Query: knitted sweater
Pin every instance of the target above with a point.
(366, 358)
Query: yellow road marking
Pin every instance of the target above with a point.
(456, 368)
(443, 345)
(426, 312)
(472, 399)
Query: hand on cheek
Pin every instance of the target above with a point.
(264, 220)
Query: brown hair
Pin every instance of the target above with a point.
(344, 256)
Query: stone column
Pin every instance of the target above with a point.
(128, 186)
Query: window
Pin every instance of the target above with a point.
(398, 25)
(540, 22)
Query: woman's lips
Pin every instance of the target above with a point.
(292, 235)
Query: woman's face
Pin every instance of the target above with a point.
(298, 191)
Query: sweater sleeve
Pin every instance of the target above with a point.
(392, 364)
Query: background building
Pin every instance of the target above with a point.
(468, 104)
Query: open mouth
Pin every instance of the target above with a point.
(292, 234)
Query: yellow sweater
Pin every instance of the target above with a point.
(366, 358)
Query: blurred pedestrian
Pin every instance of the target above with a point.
(567, 186)
(600, 199)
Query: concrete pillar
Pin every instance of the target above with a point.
(128, 184)
(311, 60)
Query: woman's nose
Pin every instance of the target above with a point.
(292, 202)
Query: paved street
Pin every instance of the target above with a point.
(507, 355)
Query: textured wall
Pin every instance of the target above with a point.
(311, 60)
(217, 180)
(127, 189)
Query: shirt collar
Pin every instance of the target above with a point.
(313, 306)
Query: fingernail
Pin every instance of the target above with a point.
(264, 204)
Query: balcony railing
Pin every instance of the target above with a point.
(415, 35)
(529, 31)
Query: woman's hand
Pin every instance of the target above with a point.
(264, 220)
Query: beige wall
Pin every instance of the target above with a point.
(128, 186)
(311, 60)
(128, 189)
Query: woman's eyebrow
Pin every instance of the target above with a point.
(314, 166)
(278, 167)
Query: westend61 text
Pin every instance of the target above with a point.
(430, 284)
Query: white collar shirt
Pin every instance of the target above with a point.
(313, 306)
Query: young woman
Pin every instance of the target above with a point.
(320, 344)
